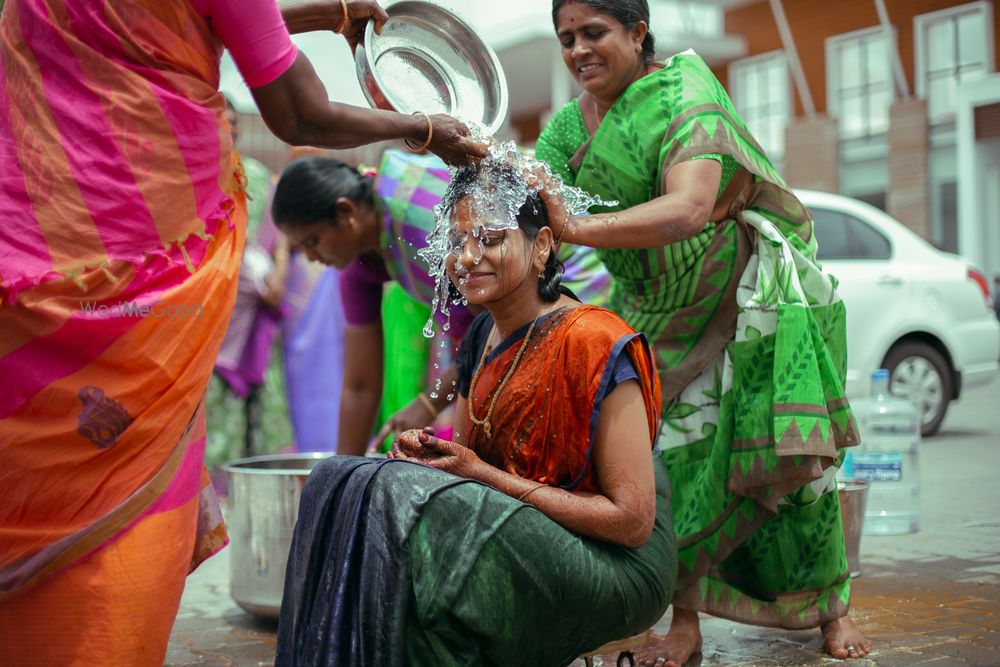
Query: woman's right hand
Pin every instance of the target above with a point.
(451, 142)
(360, 11)
(314, 15)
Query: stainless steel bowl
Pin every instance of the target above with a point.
(428, 59)
(264, 494)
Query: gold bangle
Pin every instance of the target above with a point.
(527, 493)
(430, 135)
(562, 231)
(428, 404)
(345, 20)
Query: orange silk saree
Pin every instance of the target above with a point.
(551, 404)
(123, 228)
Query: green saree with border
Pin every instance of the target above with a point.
(750, 340)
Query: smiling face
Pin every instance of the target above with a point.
(602, 55)
(490, 261)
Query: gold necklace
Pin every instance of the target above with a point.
(485, 423)
(597, 113)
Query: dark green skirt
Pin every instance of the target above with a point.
(405, 565)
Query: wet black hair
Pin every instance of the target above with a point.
(626, 12)
(309, 188)
(531, 217)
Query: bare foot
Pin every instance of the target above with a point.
(682, 641)
(843, 640)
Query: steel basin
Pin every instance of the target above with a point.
(853, 499)
(264, 494)
(429, 59)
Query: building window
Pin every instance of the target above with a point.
(859, 82)
(953, 45)
(946, 230)
(760, 91)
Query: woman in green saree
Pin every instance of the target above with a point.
(713, 258)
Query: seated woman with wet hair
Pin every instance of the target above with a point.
(544, 530)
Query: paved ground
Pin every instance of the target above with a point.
(930, 599)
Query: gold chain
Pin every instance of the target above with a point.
(597, 113)
(485, 423)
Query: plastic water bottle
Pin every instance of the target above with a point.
(846, 472)
(887, 459)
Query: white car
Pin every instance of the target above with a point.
(923, 314)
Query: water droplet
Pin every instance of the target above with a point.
(497, 205)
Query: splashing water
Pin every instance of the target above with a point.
(495, 206)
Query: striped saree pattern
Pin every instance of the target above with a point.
(407, 189)
(123, 227)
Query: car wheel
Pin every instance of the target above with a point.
(920, 374)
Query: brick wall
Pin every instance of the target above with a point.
(811, 154)
(812, 21)
(908, 198)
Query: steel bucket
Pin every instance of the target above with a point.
(264, 494)
(853, 498)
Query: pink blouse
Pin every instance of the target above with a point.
(255, 35)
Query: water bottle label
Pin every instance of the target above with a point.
(881, 468)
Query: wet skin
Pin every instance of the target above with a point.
(499, 268)
(841, 639)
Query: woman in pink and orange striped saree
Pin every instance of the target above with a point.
(123, 223)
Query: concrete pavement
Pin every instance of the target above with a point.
(929, 599)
